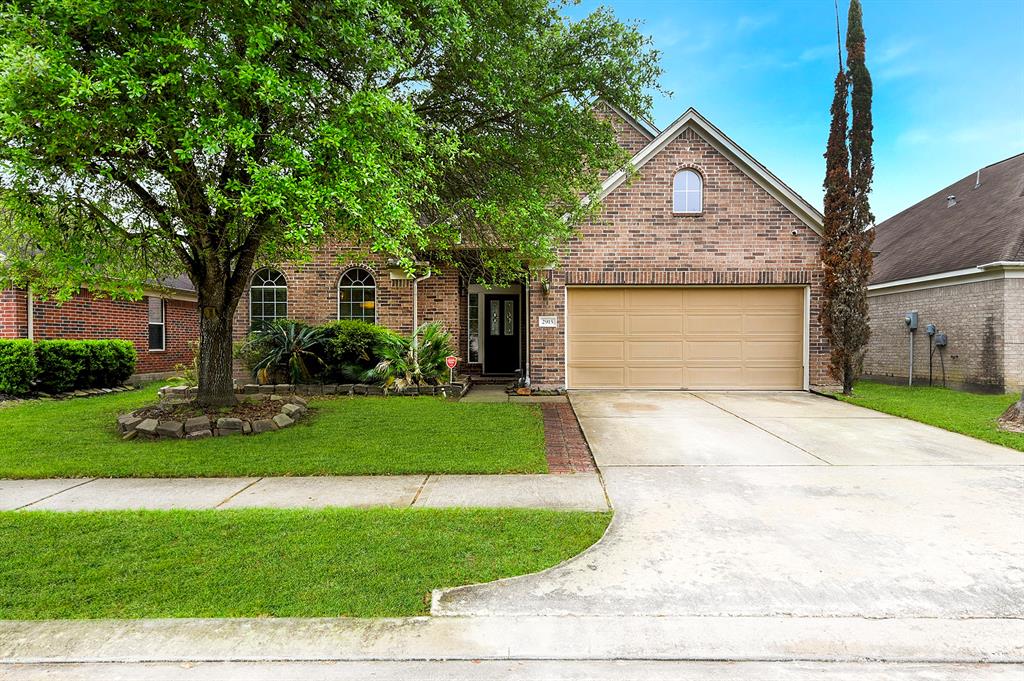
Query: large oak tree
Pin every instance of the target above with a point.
(143, 138)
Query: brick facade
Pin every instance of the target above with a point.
(743, 237)
(984, 323)
(88, 317)
(313, 293)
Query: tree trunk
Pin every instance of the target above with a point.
(216, 385)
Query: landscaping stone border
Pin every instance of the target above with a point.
(70, 394)
(451, 390)
(131, 426)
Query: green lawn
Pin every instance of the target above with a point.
(282, 563)
(347, 436)
(961, 412)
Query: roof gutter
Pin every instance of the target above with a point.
(1002, 269)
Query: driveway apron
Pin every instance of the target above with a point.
(781, 505)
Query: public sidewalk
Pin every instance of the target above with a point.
(579, 492)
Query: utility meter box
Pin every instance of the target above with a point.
(940, 340)
(911, 320)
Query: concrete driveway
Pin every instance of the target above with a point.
(782, 505)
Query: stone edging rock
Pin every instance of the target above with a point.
(453, 390)
(198, 427)
(67, 395)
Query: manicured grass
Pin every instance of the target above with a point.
(283, 563)
(347, 436)
(961, 412)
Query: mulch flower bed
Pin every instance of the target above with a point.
(245, 409)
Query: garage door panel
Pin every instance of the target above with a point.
(589, 324)
(785, 323)
(589, 351)
(696, 338)
(600, 299)
(713, 298)
(773, 350)
(654, 324)
(773, 378)
(597, 377)
(660, 299)
(719, 350)
(713, 324)
(664, 351)
(713, 377)
(655, 377)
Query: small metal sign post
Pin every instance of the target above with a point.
(451, 361)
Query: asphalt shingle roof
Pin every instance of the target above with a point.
(986, 225)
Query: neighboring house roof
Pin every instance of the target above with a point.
(178, 283)
(984, 226)
(693, 120)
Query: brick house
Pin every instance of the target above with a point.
(701, 272)
(160, 326)
(957, 259)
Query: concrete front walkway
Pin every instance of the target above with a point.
(581, 491)
(778, 506)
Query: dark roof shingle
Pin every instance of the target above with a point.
(986, 225)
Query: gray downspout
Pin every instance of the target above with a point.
(416, 313)
(30, 311)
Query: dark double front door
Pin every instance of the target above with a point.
(501, 334)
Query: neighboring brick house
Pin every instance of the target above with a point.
(161, 325)
(957, 259)
(702, 271)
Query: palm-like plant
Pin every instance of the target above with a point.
(287, 346)
(418, 360)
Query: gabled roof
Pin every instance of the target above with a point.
(642, 124)
(693, 120)
(985, 225)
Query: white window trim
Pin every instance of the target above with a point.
(285, 287)
(684, 193)
(162, 325)
(337, 293)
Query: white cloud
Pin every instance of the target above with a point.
(748, 23)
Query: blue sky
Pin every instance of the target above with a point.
(948, 83)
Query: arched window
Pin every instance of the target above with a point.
(268, 297)
(357, 295)
(687, 192)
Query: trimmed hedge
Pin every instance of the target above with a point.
(60, 365)
(17, 366)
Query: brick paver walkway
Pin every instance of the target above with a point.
(567, 449)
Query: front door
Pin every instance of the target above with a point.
(501, 334)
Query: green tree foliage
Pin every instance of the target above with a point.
(846, 247)
(142, 138)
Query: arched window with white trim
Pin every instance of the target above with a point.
(357, 295)
(687, 192)
(268, 297)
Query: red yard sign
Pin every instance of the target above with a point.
(451, 361)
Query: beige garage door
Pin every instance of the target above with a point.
(692, 338)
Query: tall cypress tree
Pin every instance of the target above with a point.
(839, 309)
(862, 170)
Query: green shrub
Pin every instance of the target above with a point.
(417, 360)
(61, 362)
(349, 348)
(79, 364)
(286, 348)
(117, 360)
(18, 367)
